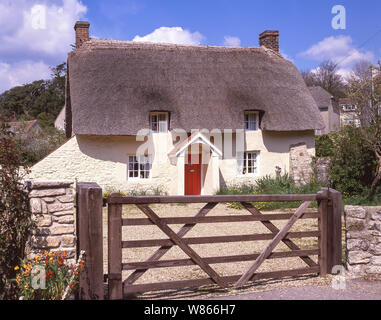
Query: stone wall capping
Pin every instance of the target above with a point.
(37, 184)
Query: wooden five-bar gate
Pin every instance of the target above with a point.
(328, 250)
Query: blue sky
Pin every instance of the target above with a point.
(306, 34)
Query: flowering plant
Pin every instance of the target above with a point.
(47, 277)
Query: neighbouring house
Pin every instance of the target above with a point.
(348, 113)
(328, 108)
(182, 119)
(24, 128)
(60, 122)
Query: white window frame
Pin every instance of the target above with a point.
(349, 107)
(349, 121)
(162, 125)
(132, 160)
(243, 161)
(250, 124)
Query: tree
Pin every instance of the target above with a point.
(36, 145)
(326, 76)
(362, 70)
(365, 94)
(43, 96)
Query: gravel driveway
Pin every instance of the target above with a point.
(219, 249)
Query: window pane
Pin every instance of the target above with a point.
(163, 126)
(249, 163)
(159, 122)
(244, 171)
(251, 121)
(154, 123)
(139, 167)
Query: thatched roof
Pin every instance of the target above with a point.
(322, 97)
(115, 84)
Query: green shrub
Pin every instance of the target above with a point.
(363, 199)
(352, 162)
(324, 146)
(281, 184)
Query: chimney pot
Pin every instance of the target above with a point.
(81, 32)
(270, 39)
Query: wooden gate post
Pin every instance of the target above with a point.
(115, 287)
(334, 251)
(323, 228)
(90, 239)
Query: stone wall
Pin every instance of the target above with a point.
(300, 164)
(321, 169)
(52, 204)
(363, 241)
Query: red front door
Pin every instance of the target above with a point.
(193, 175)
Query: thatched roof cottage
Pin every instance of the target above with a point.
(178, 118)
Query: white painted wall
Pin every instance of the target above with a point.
(104, 160)
(273, 150)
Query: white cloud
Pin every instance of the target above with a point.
(31, 42)
(21, 73)
(339, 49)
(345, 73)
(176, 35)
(286, 56)
(52, 38)
(232, 41)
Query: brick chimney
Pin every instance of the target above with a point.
(81, 32)
(270, 39)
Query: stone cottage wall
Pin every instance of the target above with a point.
(300, 164)
(103, 159)
(52, 204)
(363, 241)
